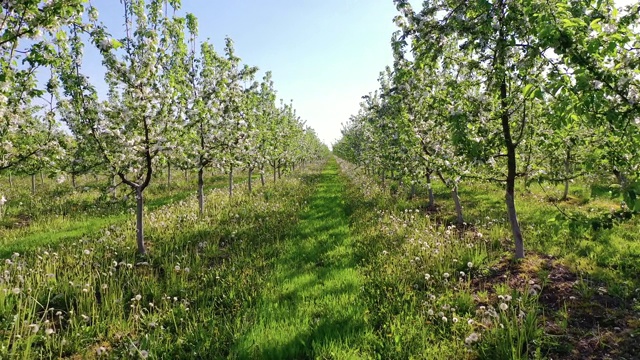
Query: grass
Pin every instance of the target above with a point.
(327, 264)
(311, 307)
(56, 229)
(575, 293)
(185, 300)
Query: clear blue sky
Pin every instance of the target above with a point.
(324, 54)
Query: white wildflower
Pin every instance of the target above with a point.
(472, 338)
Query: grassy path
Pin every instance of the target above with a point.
(311, 306)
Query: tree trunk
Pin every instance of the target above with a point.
(33, 183)
(231, 181)
(508, 140)
(413, 190)
(73, 180)
(432, 199)
(275, 173)
(511, 174)
(383, 178)
(567, 164)
(186, 175)
(622, 179)
(113, 185)
(262, 174)
(41, 178)
(279, 171)
(250, 176)
(456, 201)
(201, 190)
(139, 224)
(168, 175)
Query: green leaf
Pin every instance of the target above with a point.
(116, 44)
(538, 94)
(527, 90)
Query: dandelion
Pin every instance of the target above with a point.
(462, 273)
(455, 320)
(430, 312)
(49, 331)
(470, 322)
(503, 306)
(427, 277)
(469, 264)
(87, 252)
(445, 275)
(444, 319)
(144, 354)
(507, 298)
(16, 291)
(138, 297)
(3, 200)
(176, 268)
(472, 338)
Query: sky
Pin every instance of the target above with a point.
(324, 54)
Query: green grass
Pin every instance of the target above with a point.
(578, 281)
(312, 306)
(326, 264)
(95, 298)
(55, 230)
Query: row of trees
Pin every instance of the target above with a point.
(497, 90)
(171, 100)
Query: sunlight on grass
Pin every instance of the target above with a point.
(312, 309)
